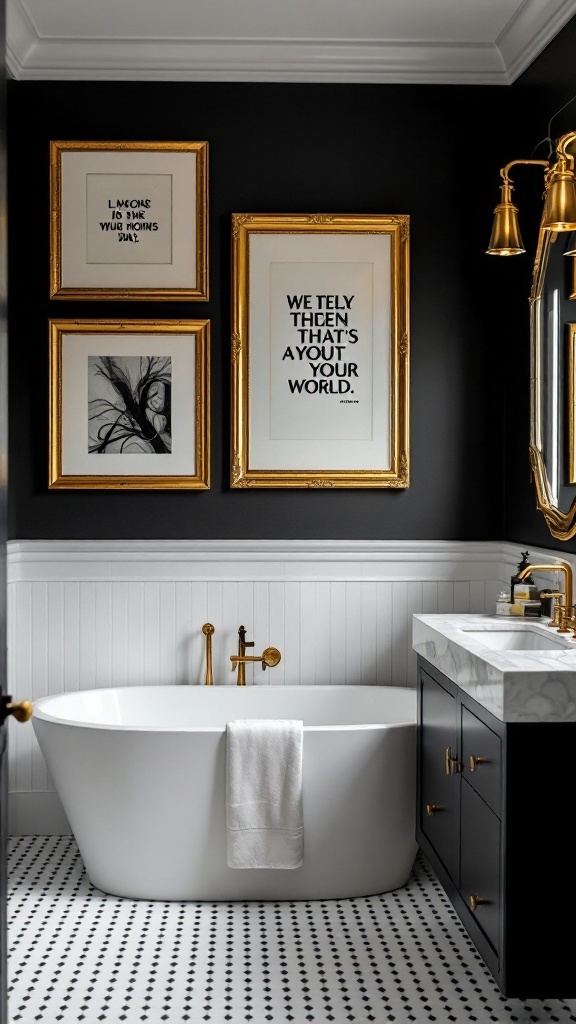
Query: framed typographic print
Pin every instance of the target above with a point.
(129, 404)
(129, 220)
(320, 348)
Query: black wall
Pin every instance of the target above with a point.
(433, 152)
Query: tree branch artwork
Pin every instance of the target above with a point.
(129, 405)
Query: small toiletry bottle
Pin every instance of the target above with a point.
(526, 589)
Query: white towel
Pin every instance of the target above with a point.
(264, 820)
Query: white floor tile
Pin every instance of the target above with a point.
(79, 955)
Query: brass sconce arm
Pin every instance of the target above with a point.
(565, 160)
(505, 172)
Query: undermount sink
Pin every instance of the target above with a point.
(520, 639)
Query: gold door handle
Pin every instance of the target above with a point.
(433, 809)
(474, 900)
(451, 764)
(21, 711)
(475, 761)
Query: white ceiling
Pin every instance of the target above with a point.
(484, 42)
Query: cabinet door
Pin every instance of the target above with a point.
(481, 757)
(439, 785)
(480, 863)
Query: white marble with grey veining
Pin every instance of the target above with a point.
(516, 686)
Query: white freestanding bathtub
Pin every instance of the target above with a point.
(140, 771)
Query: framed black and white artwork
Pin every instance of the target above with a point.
(320, 350)
(129, 220)
(129, 404)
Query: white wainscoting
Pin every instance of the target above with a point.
(85, 614)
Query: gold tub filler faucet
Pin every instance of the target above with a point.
(269, 658)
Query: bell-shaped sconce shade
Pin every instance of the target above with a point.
(560, 208)
(505, 239)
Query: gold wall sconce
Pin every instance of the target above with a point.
(552, 434)
(559, 212)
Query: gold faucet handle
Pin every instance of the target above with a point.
(270, 657)
(565, 619)
(558, 613)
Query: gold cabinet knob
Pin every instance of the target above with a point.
(22, 711)
(474, 900)
(475, 761)
(433, 809)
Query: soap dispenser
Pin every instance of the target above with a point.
(523, 589)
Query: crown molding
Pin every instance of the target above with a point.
(529, 32)
(21, 36)
(30, 56)
(253, 60)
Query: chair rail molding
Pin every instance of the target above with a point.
(230, 559)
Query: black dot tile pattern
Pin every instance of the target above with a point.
(79, 955)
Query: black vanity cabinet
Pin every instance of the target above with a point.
(496, 807)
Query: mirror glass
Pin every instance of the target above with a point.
(553, 353)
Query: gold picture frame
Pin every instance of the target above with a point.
(320, 350)
(571, 399)
(129, 220)
(120, 391)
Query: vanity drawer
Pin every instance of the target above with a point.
(480, 863)
(481, 759)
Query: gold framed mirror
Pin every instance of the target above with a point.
(552, 386)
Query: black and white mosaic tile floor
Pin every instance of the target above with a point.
(77, 955)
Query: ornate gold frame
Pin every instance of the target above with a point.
(571, 398)
(199, 477)
(562, 525)
(244, 225)
(197, 291)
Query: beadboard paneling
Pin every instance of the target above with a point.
(97, 614)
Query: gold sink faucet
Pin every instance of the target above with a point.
(565, 613)
(269, 658)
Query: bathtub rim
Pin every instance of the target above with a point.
(39, 714)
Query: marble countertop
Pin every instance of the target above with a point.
(515, 685)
